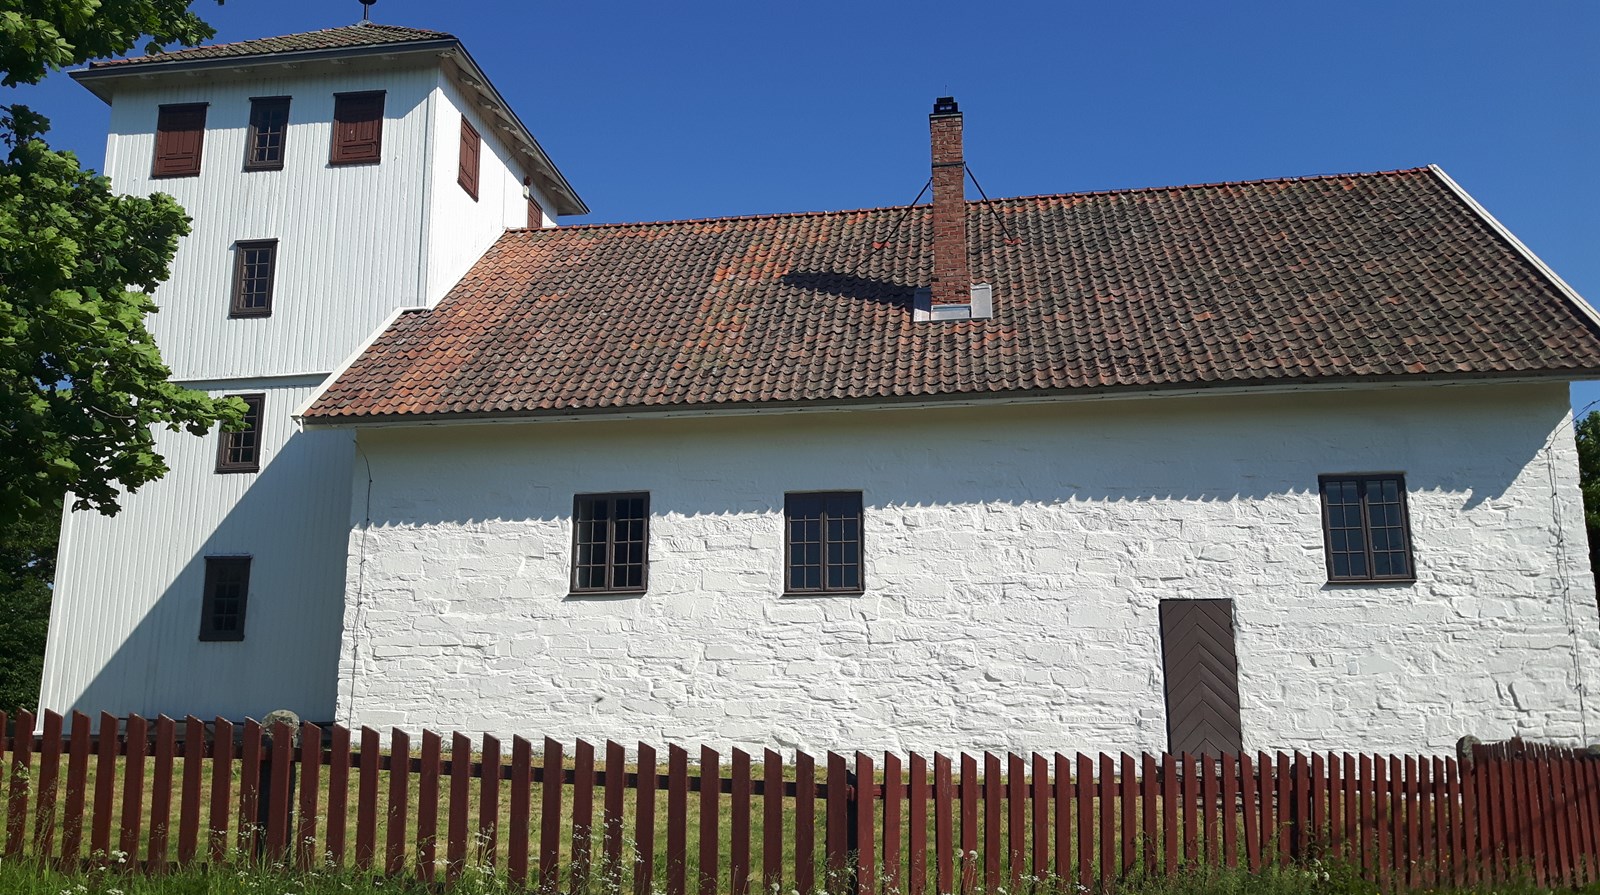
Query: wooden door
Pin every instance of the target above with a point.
(1202, 673)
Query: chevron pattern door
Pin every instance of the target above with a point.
(1202, 674)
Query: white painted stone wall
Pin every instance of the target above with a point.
(1016, 557)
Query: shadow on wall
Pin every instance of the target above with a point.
(1095, 458)
(1200, 449)
(292, 520)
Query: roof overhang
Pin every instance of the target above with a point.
(910, 402)
(103, 81)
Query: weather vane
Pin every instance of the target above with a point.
(366, 9)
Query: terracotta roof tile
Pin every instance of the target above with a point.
(362, 34)
(1355, 276)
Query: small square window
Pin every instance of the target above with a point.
(610, 542)
(822, 538)
(227, 592)
(1366, 529)
(269, 128)
(255, 269)
(241, 451)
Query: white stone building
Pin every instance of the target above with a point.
(1279, 464)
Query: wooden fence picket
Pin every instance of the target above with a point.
(518, 836)
(21, 773)
(455, 860)
(709, 782)
(307, 855)
(772, 793)
(72, 814)
(135, 746)
(397, 817)
(550, 821)
(339, 755)
(862, 828)
(161, 793)
(583, 779)
(739, 824)
(48, 785)
(1406, 822)
(893, 802)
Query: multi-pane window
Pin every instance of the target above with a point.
(240, 451)
(609, 541)
(180, 137)
(357, 128)
(269, 126)
(468, 163)
(823, 542)
(1368, 533)
(254, 268)
(227, 590)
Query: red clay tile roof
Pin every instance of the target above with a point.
(362, 34)
(1370, 276)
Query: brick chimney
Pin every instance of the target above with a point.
(952, 281)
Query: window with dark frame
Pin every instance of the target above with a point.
(241, 451)
(269, 128)
(254, 270)
(610, 541)
(1366, 528)
(471, 150)
(823, 542)
(180, 137)
(357, 128)
(227, 591)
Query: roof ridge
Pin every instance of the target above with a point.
(152, 57)
(995, 201)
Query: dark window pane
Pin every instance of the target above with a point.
(240, 451)
(609, 542)
(824, 550)
(1367, 533)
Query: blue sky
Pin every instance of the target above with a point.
(657, 110)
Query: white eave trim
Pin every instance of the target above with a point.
(351, 358)
(1571, 294)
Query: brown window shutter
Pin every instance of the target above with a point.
(471, 149)
(180, 135)
(535, 214)
(357, 128)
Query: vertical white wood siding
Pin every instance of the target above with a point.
(354, 243)
(125, 619)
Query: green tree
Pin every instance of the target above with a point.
(1588, 434)
(82, 384)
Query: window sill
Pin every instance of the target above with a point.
(1369, 582)
(229, 470)
(220, 638)
(248, 315)
(604, 594)
(803, 594)
(155, 176)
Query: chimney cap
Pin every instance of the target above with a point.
(946, 105)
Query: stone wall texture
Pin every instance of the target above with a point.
(1015, 561)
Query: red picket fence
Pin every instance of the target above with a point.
(965, 824)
